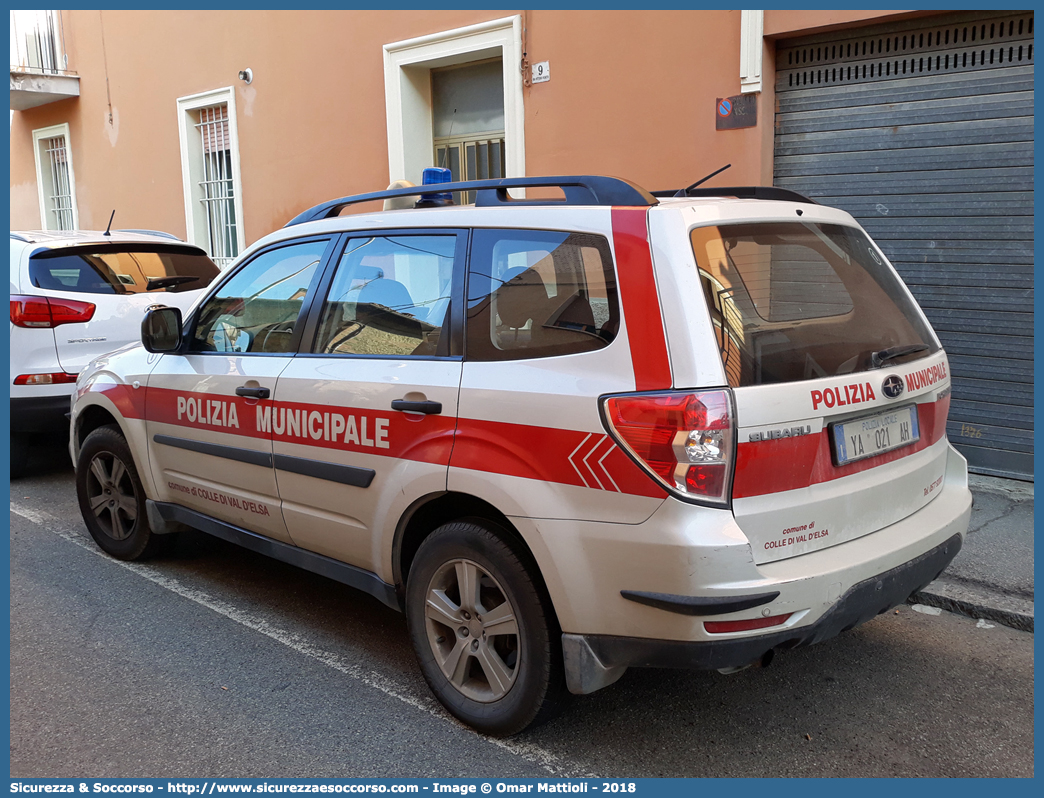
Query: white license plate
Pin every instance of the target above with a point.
(864, 437)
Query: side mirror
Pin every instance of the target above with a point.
(161, 329)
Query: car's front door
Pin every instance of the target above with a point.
(364, 417)
(207, 450)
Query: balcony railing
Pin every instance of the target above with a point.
(39, 63)
(38, 43)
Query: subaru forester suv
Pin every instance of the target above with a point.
(565, 437)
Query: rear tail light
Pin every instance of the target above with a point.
(41, 311)
(683, 439)
(54, 378)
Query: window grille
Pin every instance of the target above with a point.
(58, 185)
(471, 158)
(216, 190)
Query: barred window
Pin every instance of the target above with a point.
(216, 190)
(210, 171)
(55, 178)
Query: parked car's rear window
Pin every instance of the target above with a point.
(797, 301)
(122, 269)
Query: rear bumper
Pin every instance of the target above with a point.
(704, 577)
(40, 413)
(863, 601)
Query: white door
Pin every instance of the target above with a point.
(208, 450)
(364, 417)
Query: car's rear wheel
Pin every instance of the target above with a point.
(111, 496)
(484, 630)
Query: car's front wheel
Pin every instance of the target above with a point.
(484, 630)
(111, 496)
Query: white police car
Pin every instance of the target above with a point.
(565, 437)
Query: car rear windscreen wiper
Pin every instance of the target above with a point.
(169, 282)
(879, 358)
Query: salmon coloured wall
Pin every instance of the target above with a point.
(632, 94)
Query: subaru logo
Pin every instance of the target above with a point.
(892, 387)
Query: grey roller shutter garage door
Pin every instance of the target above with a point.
(923, 130)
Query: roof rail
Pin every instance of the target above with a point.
(151, 233)
(18, 237)
(742, 192)
(578, 190)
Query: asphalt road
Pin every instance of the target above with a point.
(215, 662)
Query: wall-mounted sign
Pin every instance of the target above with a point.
(542, 72)
(736, 112)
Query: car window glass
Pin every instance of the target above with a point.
(535, 293)
(111, 270)
(257, 309)
(390, 296)
(794, 301)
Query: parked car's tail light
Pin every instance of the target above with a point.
(41, 311)
(720, 627)
(54, 378)
(683, 439)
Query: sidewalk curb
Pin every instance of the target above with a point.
(1013, 489)
(977, 602)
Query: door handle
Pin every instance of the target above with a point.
(253, 393)
(431, 408)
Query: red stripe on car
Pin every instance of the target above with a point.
(641, 305)
(783, 464)
(563, 456)
(130, 402)
(421, 438)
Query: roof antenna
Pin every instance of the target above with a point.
(107, 233)
(685, 191)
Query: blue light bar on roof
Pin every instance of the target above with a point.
(433, 176)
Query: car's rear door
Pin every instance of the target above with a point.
(364, 417)
(841, 387)
(208, 449)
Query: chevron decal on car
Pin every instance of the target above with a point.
(583, 454)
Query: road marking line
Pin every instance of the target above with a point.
(527, 751)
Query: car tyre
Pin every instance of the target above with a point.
(111, 496)
(484, 630)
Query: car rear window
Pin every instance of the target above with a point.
(798, 301)
(121, 269)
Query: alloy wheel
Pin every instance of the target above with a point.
(111, 495)
(473, 630)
